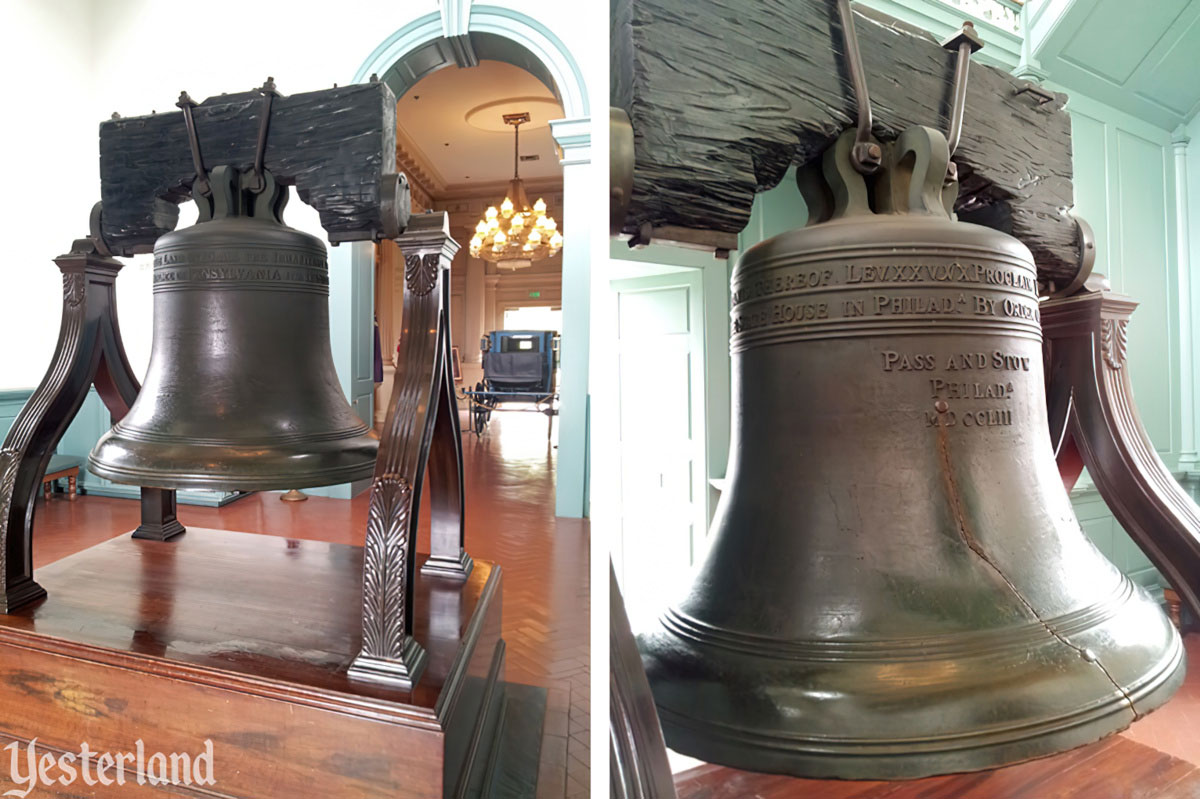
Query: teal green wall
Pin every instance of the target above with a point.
(775, 211)
(1124, 186)
(351, 331)
(1002, 47)
(1192, 231)
(11, 403)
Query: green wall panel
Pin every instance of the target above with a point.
(351, 320)
(1124, 186)
(1146, 275)
(775, 211)
(1090, 146)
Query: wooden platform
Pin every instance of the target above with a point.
(1115, 768)
(245, 640)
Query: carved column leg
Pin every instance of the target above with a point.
(158, 516)
(88, 282)
(389, 653)
(1088, 339)
(447, 555)
(638, 763)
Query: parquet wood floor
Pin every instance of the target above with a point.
(509, 475)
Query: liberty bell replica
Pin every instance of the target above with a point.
(241, 390)
(897, 585)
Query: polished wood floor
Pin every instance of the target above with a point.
(509, 476)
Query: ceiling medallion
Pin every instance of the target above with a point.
(516, 234)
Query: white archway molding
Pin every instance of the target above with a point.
(514, 25)
(573, 136)
(399, 44)
(542, 42)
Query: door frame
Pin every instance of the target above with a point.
(693, 281)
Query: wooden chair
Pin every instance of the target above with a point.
(62, 466)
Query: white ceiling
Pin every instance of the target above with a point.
(432, 124)
(1138, 57)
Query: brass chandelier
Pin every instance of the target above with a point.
(516, 234)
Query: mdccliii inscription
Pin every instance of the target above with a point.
(964, 376)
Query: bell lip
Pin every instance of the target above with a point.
(692, 723)
(111, 458)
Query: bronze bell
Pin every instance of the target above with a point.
(897, 585)
(241, 391)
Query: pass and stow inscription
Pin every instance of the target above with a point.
(963, 376)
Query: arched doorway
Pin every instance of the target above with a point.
(460, 34)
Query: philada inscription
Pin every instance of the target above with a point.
(801, 296)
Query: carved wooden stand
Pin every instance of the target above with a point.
(448, 557)
(638, 767)
(421, 430)
(89, 352)
(1094, 423)
(139, 632)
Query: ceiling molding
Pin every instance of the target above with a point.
(418, 178)
(521, 279)
(1138, 63)
(484, 191)
(414, 157)
(454, 153)
(1001, 48)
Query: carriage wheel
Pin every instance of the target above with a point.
(478, 412)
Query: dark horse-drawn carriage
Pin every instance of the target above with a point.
(519, 366)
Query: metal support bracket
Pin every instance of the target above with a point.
(965, 42)
(866, 155)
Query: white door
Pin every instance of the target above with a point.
(660, 337)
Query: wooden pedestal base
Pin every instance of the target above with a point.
(244, 640)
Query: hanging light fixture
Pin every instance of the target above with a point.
(516, 234)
